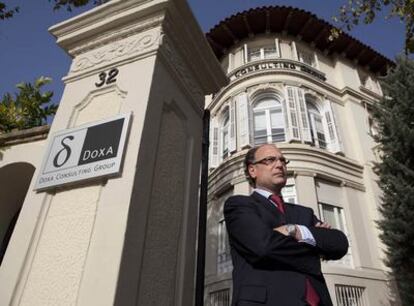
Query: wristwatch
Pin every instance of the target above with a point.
(291, 230)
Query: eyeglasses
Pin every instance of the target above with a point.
(271, 160)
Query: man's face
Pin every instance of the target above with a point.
(273, 176)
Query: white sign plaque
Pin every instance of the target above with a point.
(88, 151)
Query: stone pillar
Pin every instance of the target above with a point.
(129, 240)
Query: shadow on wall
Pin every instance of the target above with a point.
(2, 150)
(14, 182)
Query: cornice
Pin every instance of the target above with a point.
(330, 92)
(304, 80)
(122, 31)
(228, 173)
(306, 153)
(117, 35)
(114, 20)
(305, 161)
(361, 273)
(24, 136)
(135, 45)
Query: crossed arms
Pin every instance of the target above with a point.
(262, 246)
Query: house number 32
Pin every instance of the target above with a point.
(107, 77)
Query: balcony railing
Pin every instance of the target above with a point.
(350, 295)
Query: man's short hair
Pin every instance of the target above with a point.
(248, 160)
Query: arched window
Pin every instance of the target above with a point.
(225, 134)
(268, 121)
(316, 124)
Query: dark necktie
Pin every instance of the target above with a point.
(277, 199)
(312, 297)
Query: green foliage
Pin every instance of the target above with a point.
(394, 115)
(6, 13)
(29, 108)
(365, 11)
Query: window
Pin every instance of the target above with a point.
(372, 124)
(214, 142)
(270, 52)
(220, 298)
(307, 57)
(255, 52)
(224, 263)
(364, 79)
(350, 295)
(225, 127)
(268, 121)
(289, 193)
(369, 82)
(316, 124)
(334, 215)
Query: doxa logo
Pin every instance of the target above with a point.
(63, 155)
(102, 152)
(85, 152)
(101, 142)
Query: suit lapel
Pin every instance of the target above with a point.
(269, 207)
(290, 213)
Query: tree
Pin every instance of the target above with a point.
(394, 115)
(365, 11)
(70, 4)
(29, 108)
(7, 12)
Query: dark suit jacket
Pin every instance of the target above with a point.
(270, 268)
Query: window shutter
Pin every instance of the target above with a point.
(231, 62)
(334, 144)
(232, 126)
(214, 136)
(245, 54)
(294, 51)
(316, 59)
(277, 44)
(291, 114)
(304, 119)
(243, 120)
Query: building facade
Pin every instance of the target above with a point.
(291, 85)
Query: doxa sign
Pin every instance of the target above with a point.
(85, 152)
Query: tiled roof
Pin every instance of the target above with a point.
(296, 22)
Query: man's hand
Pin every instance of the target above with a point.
(322, 224)
(283, 230)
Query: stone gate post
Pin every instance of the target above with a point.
(129, 239)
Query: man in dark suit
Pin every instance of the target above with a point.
(276, 247)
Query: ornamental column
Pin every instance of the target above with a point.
(129, 239)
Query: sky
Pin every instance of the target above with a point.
(28, 51)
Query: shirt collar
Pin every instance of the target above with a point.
(263, 192)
